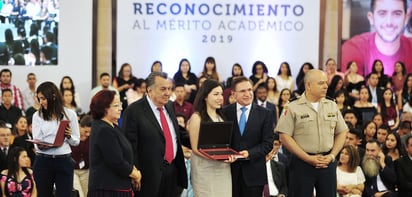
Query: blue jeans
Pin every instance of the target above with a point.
(50, 171)
(303, 177)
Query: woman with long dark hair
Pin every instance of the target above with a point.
(378, 68)
(284, 78)
(393, 146)
(259, 74)
(18, 179)
(67, 83)
(124, 81)
(187, 78)
(209, 70)
(335, 85)
(53, 165)
(208, 103)
(301, 75)
(389, 109)
(351, 179)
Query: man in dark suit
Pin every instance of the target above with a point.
(261, 96)
(375, 92)
(150, 125)
(404, 170)
(379, 172)
(252, 137)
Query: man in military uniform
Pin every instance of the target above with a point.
(313, 129)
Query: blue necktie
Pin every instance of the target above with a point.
(242, 120)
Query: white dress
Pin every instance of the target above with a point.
(282, 83)
(350, 178)
(210, 178)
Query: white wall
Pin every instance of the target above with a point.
(75, 51)
(154, 30)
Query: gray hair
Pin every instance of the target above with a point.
(150, 81)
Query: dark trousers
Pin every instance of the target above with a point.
(303, 177)
(239, 187)
(168, 183)
(49, 171)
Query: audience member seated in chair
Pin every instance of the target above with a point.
(379, 172)
(276, 168)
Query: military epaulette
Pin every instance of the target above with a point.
(329, 98)
(294, 98)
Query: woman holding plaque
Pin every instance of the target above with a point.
(209, 177)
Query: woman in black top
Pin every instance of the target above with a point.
(124, 81)
(112, 172)
(187, 78)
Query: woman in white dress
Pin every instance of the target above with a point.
(350, 178)
(209, 177)
(284, 78)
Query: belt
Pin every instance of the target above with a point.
(54, 156)
(322, 153)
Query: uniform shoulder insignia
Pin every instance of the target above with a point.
(294, 98)
(329, 98)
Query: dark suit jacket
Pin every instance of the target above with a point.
(111, 158)
(279, 176)
(146, 136)
(387, 175)
(282, 158)
(3, 159)
(271, 107)
(404, 172)
(379, 94)
(257, 139)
